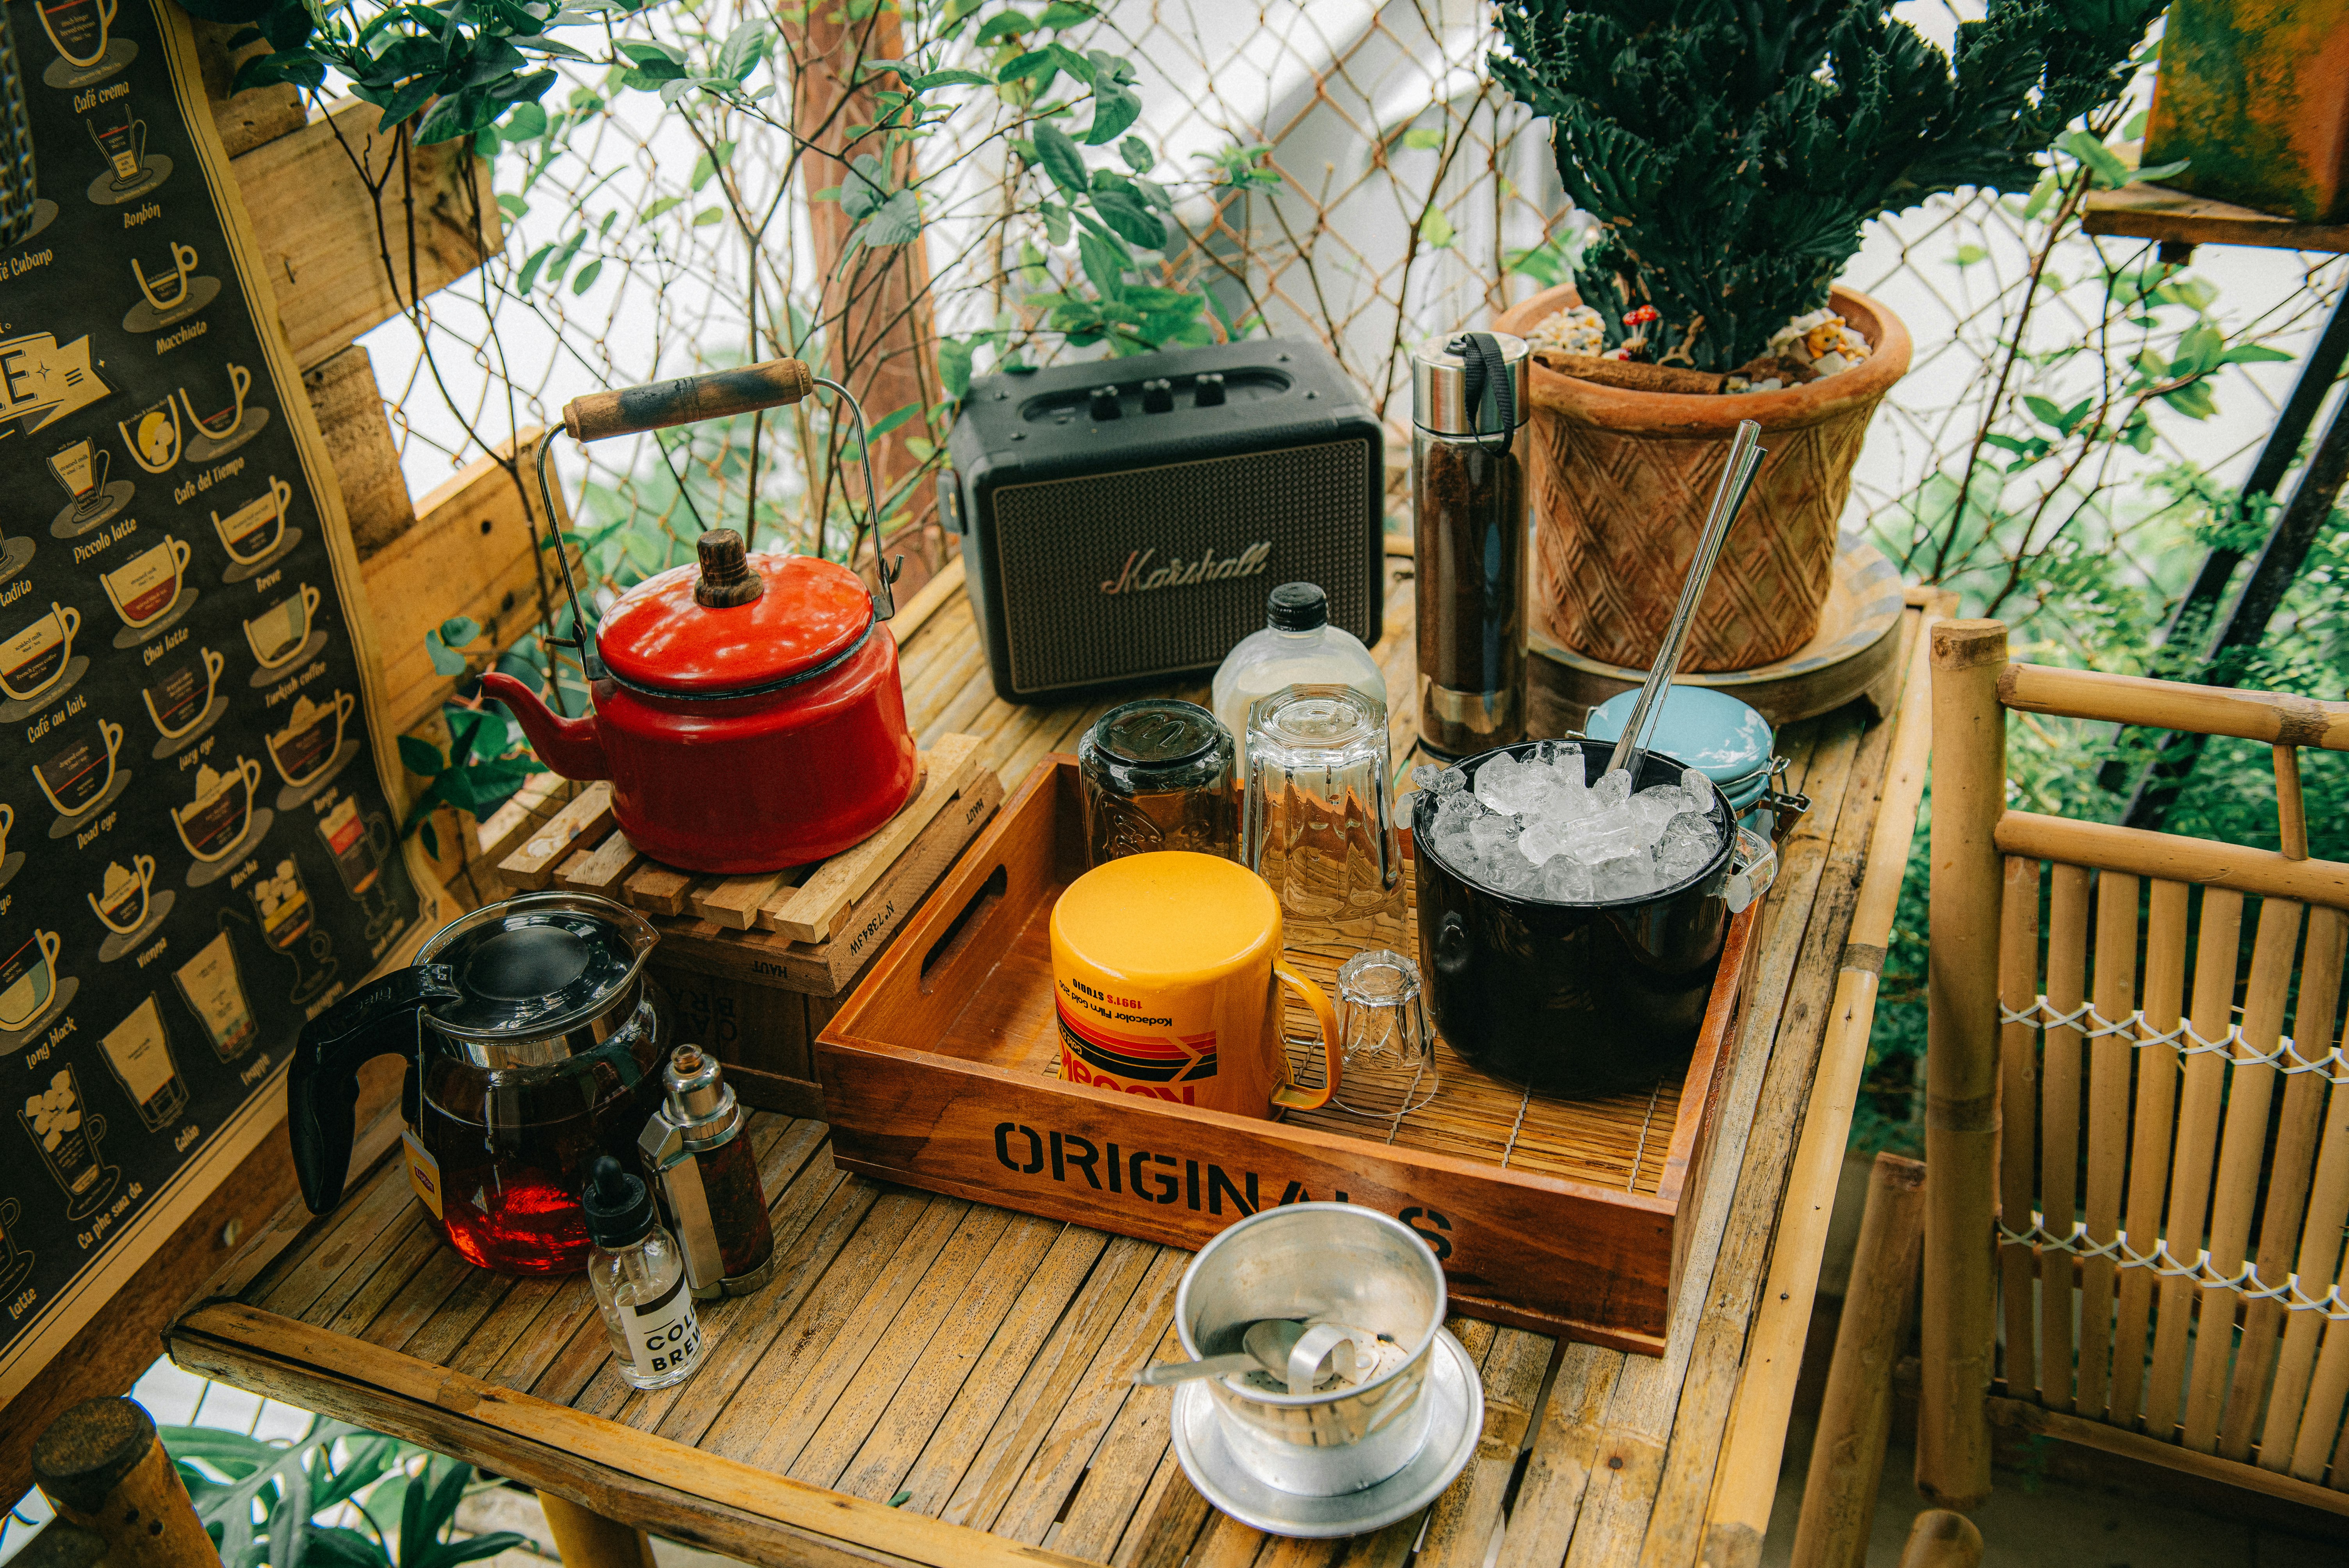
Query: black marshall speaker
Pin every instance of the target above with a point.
(1124, 519)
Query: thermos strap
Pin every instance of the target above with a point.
(1485, 367)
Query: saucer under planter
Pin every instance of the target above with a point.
(1621, 479)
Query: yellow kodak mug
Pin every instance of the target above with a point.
(1165, 975)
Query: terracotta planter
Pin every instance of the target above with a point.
(1621, 479)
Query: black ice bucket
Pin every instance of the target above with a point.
(1572, 999)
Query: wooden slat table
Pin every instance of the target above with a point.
(970, 1364)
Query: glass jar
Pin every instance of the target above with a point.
(1157, 775)
(1472, 507)
(1319, 822)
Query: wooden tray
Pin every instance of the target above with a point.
(756, 965)
(941, 1072)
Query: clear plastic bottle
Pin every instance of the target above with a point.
(1298, 646)
(638, 1276)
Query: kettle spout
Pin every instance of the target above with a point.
(570, 745)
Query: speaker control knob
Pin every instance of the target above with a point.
(1104, 405)
(1207, 392)
(1158, 397)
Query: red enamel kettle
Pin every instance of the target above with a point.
(748, 707)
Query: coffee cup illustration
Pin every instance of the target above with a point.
(153, 437)
(222, 423)
(28, 980)
(253, 529)
(183, 267)
(124, 142)
(359, 844)
(213, 824)
(82, 468)
(178, 699)
(277, 633)
(215, 994)
(67, 1135)
(139, 1053)
(32, 660)
(305, 747)
(79, 28)
(122, 904)
(8, 821)
(78, 775)
(144, 588)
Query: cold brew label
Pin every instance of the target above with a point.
(663, 1335)
(197, 851)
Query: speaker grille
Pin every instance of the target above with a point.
(1059, 541)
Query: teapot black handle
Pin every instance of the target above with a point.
(322, 1085)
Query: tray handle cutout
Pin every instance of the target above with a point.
(958, 932)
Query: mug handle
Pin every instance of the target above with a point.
(252, 771)
(111, 733)
(181, 551)
(213, 662)
(8, 819)
(283, 492)
(1289, 1096)
(145, 866)
(70, 618)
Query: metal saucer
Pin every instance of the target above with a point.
(1455, 1424)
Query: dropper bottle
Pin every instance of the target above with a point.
(638, 1277)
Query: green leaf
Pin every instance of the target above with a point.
(1137, 154)
(2103, 165)
(587, 276)
(1064, 14)
(1436, 229)
(445, 661)
(1061, 159)
(524, 122)
(1126, 211)
(898, 222)
(1056, 223)
(2041, 194)
(420, 757)
(2160, 171)
(1113, 110)
(1425, 138)
(708, 216)
(2252, 354)
(2195, 400)
(1967, 254)
(656, 210)
(954, 366)
(1003, 24)
(459, 630)
(951, 78)
(514, 207)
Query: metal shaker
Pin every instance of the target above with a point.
(1471, 502)
(708, 1179)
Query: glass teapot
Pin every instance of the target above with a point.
(534, 1037)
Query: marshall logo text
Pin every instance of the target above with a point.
(1140, 577)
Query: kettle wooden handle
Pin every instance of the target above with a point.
(656, 405)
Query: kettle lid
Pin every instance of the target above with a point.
(735, 621)
(1708, 730)
(537, 964)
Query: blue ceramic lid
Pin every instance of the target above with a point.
(1703, 727)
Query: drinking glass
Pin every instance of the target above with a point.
(1157, 776)
(1389, 1062)
(1318, 821)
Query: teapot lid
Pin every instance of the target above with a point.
(539, 964)
(734, 621)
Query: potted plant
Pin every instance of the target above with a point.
(1731, 154)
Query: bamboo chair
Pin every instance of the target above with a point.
(2136, 1191)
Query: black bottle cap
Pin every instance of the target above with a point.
(1296, 607)
(620, 1206)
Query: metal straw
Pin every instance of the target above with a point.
(1745, 453)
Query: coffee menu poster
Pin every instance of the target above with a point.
(197, 851)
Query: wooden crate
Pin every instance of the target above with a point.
(941, 1072)
(756, 965)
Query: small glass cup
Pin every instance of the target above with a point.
(1157, 776)
(1318, 821)
(1389, 1062)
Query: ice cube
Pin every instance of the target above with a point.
(1598, 837)
(1513, 875)
(1439, 780)
(1699, 788)
(1687, 846)
(1567, 881)
(1657, 807)
(1613, 788)
(1491, 834)
(1459, 806)
(1631, 874)
(1499, 781)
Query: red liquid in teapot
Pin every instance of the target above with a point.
(510, 1181)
